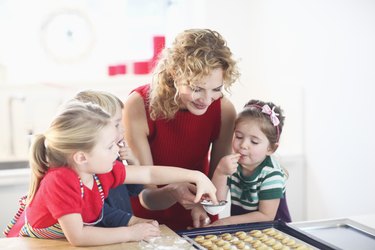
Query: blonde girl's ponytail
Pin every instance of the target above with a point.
(38, 163)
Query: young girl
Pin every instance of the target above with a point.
(117, 206)
(256, 181)
(73, 167)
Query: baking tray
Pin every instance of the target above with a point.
(341, 233)
(279, 225)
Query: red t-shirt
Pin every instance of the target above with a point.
(59, 194)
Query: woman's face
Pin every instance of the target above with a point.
(198, 96)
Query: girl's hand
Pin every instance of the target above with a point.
(199, 216)
(136, 220)
(218, 222)
(205, 187)
(126, 154)
(228, 164)
(144, 231)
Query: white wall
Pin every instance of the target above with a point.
(314, 58)
(326, 49)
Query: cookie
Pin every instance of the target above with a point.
(269, 231)
(206, 243)
(199, 239)
(270, 241)
(211, 237)
(248, 239)
(256, 233)
(263, 238)
(226, 236)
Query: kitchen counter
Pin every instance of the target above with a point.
(31, 243)
(366, 219)
(37, 244)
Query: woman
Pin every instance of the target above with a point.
(182, 119)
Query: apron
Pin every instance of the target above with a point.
(51, 232)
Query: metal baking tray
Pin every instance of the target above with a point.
(341, 233)
(279, 225)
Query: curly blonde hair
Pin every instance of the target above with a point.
(192, 56)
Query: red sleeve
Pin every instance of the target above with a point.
(63, 195)
(114, 178)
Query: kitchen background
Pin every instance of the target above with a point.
(314, 58)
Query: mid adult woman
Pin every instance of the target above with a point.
(183, 119)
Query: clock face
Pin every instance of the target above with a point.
(67, 35)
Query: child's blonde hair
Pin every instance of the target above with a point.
(106, 100)
(74, 128)
(193, 56)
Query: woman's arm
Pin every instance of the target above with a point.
(267, 212)
(136, 128)
(223, 144)
(136, 132)
(79, 235)
(161, 175)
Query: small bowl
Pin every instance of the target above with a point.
(212, 208)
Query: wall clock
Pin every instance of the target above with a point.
(67, 35)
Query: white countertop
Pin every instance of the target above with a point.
(366, 219)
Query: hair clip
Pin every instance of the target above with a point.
(273, 115)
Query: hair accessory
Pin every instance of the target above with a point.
(273, 115)
(271, 112)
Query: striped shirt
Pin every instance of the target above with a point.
(267, 182)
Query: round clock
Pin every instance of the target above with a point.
(67, 35)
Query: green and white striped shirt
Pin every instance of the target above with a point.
(266, 183)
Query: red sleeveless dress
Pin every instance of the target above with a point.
(182, 142)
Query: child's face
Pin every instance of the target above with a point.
(199, 97)
(117, 122)
(251, 143)
(105, 152)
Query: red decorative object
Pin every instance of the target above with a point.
(119, 69)
(145, 67)
(112, 70)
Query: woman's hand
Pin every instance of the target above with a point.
(184, 193)
(205, 187)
